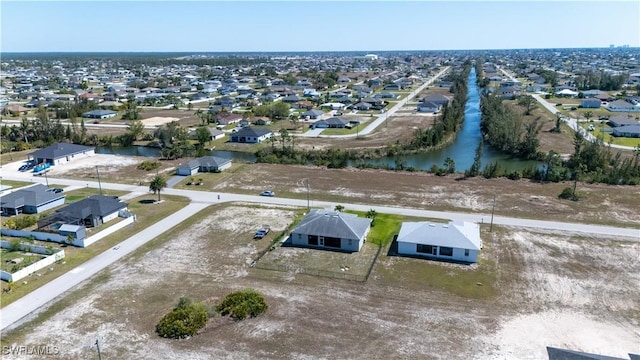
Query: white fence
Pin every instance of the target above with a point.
(63, 239)
(30, 269)
(106, 232)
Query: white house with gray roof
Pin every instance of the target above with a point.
(203, 164)
(61, 153)
(456, 241)
(331, 230)
(31, 200)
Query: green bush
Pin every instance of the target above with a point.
(149, 165)
(242, 304)
(183, 321)
(568, 194)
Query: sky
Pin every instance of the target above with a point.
(367, 26)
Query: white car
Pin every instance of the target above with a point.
(268, 193)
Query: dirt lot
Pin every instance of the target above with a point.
(553, 289)
(603, 204)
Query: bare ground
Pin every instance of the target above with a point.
(554, 289)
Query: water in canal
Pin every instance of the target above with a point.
(462, 150)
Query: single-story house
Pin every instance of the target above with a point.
(227, 118)
(61, 153)
(90, 212)
(508, 92)
(261, 121)
(332, 122)
(622, 120)
(251, 135)
(631, 131)
(99, 114)
(621, 105)
(386, 95)
(215, 133)
(428, 106)
(362, 106)
(567, 93)
(393, 87)
(32, 200)
(333, 106)
(436, 99)
(453, 241)
(203, 164)
(590, 103)
(291, 99)
(312, 114)
(331, 230)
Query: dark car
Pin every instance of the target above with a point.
(56, 190)
(23, 168)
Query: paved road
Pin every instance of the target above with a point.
(13, 314)
(384, 116)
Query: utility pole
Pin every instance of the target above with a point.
(46, 178)
(308, 190)
(493, 208)
(98, 346)
(99, 183)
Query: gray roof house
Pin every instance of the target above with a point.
(620, 105)
(251, 135)
(454, 241)
(90, 212)
(566, 354)
(99, 114)
(428, 106)
(590, 103)
(333, 122)
(312, 114)
(203, 164)
(622, 120)
(32, 200)
(60, 153)
(436, 99)
(331, 230)
(631, 131)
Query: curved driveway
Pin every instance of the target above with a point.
(28, 306)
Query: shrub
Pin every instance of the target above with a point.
(242, 304)
(183, 321)
(568, 194)
(149, 165)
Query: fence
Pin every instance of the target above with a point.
(30, 269)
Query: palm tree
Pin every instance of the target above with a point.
(371, 214)
(136, 128)
(157, 184)
(339, 208)
(450, 165)
(588, 115)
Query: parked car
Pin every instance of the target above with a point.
(23, 168)
(268, 193)
(56, 190)
(262, 232)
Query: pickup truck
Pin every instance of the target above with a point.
(262, 232)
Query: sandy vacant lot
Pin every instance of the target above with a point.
(553, 289)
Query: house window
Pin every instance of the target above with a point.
(425, 249)
(349, 242)
(466, 252)
(446, 251)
